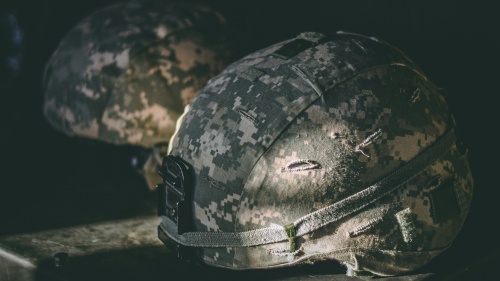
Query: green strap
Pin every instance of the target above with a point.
(290, 232)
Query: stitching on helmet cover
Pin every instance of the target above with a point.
(214, 184)
(316, 87)
(247, 115)
(415, 96)
(360, 46)
(434, 183)
(370, 139)
(284, 252)
(364, 227)
(301, 165)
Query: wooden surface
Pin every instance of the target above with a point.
(129, 250)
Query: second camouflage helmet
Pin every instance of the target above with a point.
(319, 147)
(124, 73)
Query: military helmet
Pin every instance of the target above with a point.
(320, 147)
(124, 73)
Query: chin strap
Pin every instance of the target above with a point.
(319, 218)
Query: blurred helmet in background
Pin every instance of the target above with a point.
(124, 74)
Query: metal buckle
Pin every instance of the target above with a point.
(174, 198)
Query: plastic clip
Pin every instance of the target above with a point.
(173, 193)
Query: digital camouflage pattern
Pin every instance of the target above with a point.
(124, 73)
(313, 122)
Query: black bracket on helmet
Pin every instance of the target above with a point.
(183, 252)
(174, 198)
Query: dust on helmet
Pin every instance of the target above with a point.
(124, 74)
(321, 147)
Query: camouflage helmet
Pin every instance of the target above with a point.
(124, 73)
(321, 147)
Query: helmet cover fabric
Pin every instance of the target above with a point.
(312, 122)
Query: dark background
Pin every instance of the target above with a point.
(50, 180)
